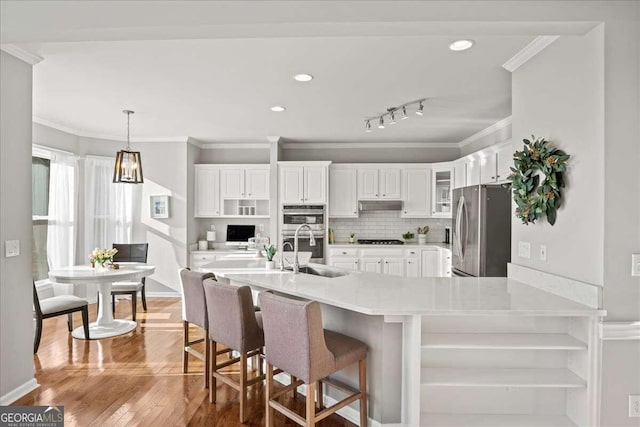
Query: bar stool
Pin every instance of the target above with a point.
(234, 323)
(296, 343)
(194, 311)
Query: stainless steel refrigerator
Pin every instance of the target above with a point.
(481, 238)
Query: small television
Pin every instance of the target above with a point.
(239, 235)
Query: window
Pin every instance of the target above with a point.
(40, 175)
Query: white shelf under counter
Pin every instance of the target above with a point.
(496, 377)
(495, 420)
(502, 341)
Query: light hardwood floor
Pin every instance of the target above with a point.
(136, 379)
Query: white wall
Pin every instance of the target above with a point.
(235, 156)
(388, 154)
(16, 325)
(559, 95)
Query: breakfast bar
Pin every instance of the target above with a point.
(513, 352)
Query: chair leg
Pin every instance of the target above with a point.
(311, 405)
(70, 321)
(295, 390)
(260, 366)
(38, 335)
(362, 365)
(185, 344)
(85, 322)
(320, 400)
(134, 305)
(269, 409)
(97, 302)
(113, 303)
(243, 387)
(207, 358)
(212, 371)
(144, 298)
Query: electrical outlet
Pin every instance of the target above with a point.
(543, 252)
(635, 264)
(11, 248)
(634, 406)
(524, 250)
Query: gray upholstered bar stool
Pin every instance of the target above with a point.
(194, 311)
(296, 343)
(234, 323)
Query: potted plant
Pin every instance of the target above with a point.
(408, 236)
(422, 234)
(352, 238)
(270, 251)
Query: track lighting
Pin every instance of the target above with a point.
(391, 114)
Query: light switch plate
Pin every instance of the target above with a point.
(543, 252)
(11, 248)
(635, 264)
(524, 250)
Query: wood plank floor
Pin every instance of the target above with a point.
(136, 379)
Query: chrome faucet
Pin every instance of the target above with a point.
(282, 255)
(312, 242)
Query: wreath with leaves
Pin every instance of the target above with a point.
(534, 199)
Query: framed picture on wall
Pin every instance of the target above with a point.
(159, 206)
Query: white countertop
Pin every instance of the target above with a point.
(380, 294)
(406, 245)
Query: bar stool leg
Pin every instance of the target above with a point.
(311, 405)
(207, 358)
(362, 365)
(320, 401)
(269, 409)
(243, 387)
(295, 390)
(185, 344)
(212, 370)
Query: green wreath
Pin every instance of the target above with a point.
(535, 199)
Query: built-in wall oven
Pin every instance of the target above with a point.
(313, 215)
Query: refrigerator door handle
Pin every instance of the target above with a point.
(465, 224)
(458, 229)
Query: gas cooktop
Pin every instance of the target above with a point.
(380, 242)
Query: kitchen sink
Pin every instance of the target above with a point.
(320, 272)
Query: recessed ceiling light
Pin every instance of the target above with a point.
(460, 45)
(303, 77)
(278, 108)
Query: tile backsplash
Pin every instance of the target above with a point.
(386, 225)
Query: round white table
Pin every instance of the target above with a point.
(105, 325)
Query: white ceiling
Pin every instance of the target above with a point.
(217, 89)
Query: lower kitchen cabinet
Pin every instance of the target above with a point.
(345, 263)
(430, 261)
(371, 265)
(412, 267)
(393, 266)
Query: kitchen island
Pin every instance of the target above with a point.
(458, 351)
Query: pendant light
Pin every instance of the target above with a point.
(128, 167)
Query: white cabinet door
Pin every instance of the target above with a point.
(291, 184)
(488, 169)
(394, 266)
(345, 263)
(368, 184)
(441, 180)
(390, 183)
(412, 267)
(505, 163)
(207, 191)
(343, 198)
(459, 174)
(257, 183)
(232, 183)
(417, 188)
(315, 187)
(430, 263)
(473, 172)
(371, 265)
(445, 263)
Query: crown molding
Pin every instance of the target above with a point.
(486, 131)
(20, 53)
(236, 145)
(529, 51)
(620, 330)
(349, 145)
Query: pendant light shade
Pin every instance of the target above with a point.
(128, 167)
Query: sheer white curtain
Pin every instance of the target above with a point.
(108, 206)
(61, 229)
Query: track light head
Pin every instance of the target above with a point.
(381, 123)
(404, 113)
(392, 117)
(367, 126)
(419, 110)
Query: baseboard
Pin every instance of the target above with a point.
(18, 392)
(163, 294)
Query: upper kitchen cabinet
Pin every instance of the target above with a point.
(496, 164)
(303, 182)
(379, 183)
(473, 171)
(459, 173)
(416, 185)
(244, 182)
(343, 199)
(504, 162)
(441, 187)
(207, 191)
(257, 182)
(232, 183)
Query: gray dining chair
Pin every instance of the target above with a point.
(130, 252)
(296, 343)
(57, 306)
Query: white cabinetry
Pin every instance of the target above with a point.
(244, 182)
(207, 191)
(412, 263)
(430, 262)
(379, 183)
(232, 183)
(416, 188)
(459, 174)
(504, 162)
(496, 164)
(371, 264)
(345, 263)
(201, 258)
(441, 180)
(303, 183)
(257, 182)
(343, 198)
